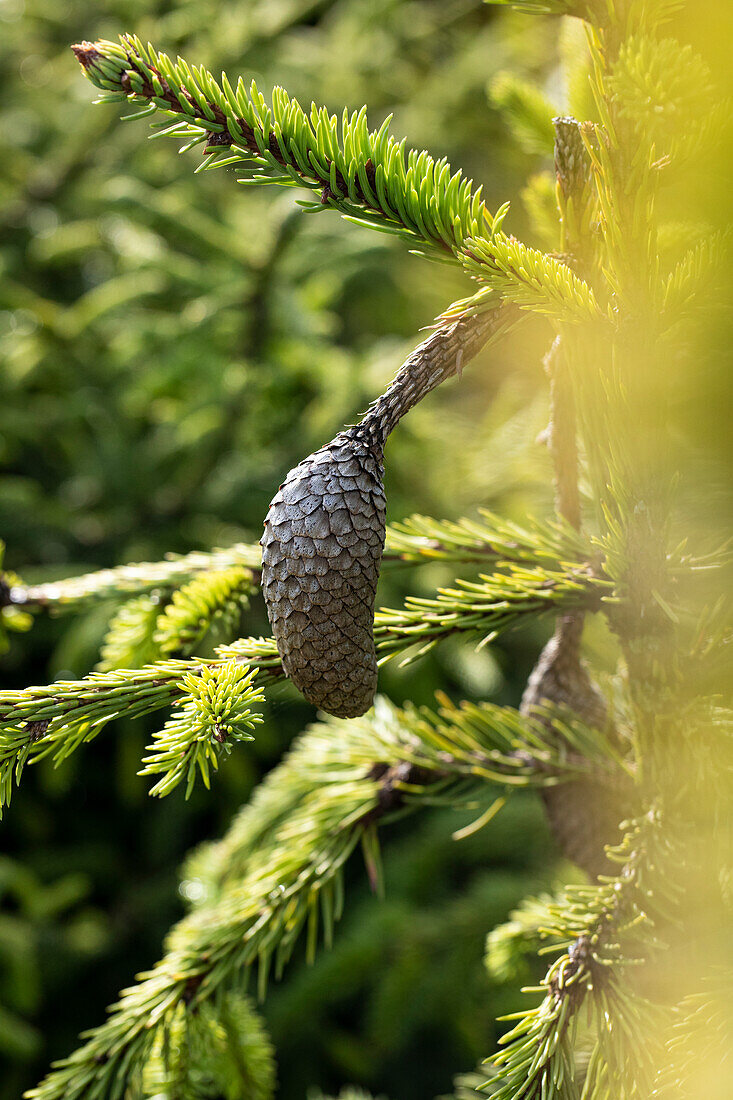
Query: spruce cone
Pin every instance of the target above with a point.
(321, 551)
(324, 536)
(583, 814)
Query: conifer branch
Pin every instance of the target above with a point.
(486, 607)
(210, 603)
(211, 1052)
(205, 611)
(531, 279)
(256, 890)
(692, 286)
(490, 538)
(56, 719)
(346, 785)
(526, 109)
(365, 175)
(64, 715)
(416, 539)
(129, 641)
(217, 711)
(523, 934)
(74, 593)
(601, 930)
(699, 1039)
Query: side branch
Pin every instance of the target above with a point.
(488, 539)
(368, 176)
(327, 793)
(363, 174)
(258, 890)
(57, 718)
(600, 930)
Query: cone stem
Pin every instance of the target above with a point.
(443, 354)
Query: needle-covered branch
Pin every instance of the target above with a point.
(601, 930)
(75, 593)
(486, 607)
(277, 873)
(56, 719)
(218, 709)
(531, 278)
(221, 1050)
(335, 785)
(367, 175)
(490, 538)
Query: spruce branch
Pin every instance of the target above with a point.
(205, 611)
(291, 885)
(217, 711)
(211, 1053)
(364, 174)
(698, 1044)
(523, 934)
(56, 719)
(602, 930)
(692, 286)
(500, 745)
(483, 608)
(487, 538)
(279, 866)
(129, 640)
(74, 712)
(657, 84)
(531, 279)
(526, 109)
(416, 539)
(211, 603)
(486, 607)
(74, 593)
(471, 744)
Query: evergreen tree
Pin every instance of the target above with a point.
(634, 769)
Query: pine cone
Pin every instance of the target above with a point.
(324, 535)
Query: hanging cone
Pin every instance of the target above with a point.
(583, 814)
(324, 535)
(321, 552)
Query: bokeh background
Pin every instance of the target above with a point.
(171, 346)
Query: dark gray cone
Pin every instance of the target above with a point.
(583, 814)
(324, 536)
(321, 552)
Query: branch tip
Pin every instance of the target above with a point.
(86, 53)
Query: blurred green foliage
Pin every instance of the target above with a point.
(171, 347)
